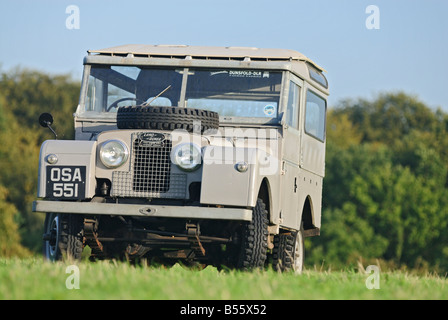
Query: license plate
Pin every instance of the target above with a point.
(66, 182)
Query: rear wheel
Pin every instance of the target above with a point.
(289, 251)
(63, 237)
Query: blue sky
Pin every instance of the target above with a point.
(409, 52)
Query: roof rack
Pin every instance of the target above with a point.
(204, 53)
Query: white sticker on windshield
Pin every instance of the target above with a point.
(218, 72)
(269, 110)
(245, 74)
(242, 73)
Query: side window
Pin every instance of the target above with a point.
(292, 109)
(94, 97)
(317, 76)
(315, 110)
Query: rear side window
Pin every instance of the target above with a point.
(317, 76)
(315, 110)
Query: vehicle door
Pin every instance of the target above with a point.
(291, 153)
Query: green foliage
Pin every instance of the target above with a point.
(30, 93)
(9, 236)
(390, 116)
(24, 95)
(33, 279)
(385, 195)
(385, 191)
(341, 131)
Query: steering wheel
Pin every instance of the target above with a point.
(115, 103)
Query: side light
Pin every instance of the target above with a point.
(242, 166)
(52, 158)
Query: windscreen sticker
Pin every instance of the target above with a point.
(242, 73)
(245, 74)
(269, 110)
(214, 73)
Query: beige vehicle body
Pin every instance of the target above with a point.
(268, 148)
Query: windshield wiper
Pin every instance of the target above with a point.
(148, 103)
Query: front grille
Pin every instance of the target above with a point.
(150, 172)
(152, 167)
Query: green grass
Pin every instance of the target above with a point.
(34, 279)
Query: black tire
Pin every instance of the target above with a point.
(254, 245)
(167, 118)
(63, 237)
(289, 252)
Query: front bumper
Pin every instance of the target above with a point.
(139, 210)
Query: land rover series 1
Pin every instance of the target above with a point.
(209, 155)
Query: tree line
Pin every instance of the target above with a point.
(24, 95)
(385, 191)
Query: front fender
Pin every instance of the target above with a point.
(69, 153)
(223, 184)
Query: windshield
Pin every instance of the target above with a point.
(235, 93)
(117, 86)
(231, 93)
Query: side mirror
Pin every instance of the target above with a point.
(46, 120)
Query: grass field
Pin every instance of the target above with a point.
(34, 279)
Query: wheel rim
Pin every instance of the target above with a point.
(298, 254)
(52, 244)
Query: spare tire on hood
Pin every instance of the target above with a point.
(167, 118)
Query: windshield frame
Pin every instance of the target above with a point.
(81, 111)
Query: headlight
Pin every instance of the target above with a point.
(113, 153)
(187, 156)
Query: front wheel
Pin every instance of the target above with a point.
(63, 237)
(254, 244)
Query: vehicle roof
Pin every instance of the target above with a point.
(208, 52)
